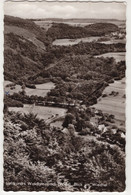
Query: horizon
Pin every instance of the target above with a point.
(66, 10)
(67, 18)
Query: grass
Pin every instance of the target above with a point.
(41, 111)
(41, 89)
(67, 42)
(119, 56)
(43, 24)
(113, 104)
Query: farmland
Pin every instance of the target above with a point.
(67, 42)
(40, 90)
(113, 100)
(119, 56)
(42, 112)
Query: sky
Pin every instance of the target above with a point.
(26, 9)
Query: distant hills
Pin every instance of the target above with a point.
(86, 20)
(62, 30)
(28, 47)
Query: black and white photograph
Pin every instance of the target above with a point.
(64, 96)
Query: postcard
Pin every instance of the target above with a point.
(64, 96)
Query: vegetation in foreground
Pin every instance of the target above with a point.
(40, 158)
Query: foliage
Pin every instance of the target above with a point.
(21, 55)
(83, 78)
(26, 60)
(61, 30)
(40, 158)
(9, 102)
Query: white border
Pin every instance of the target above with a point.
(1, 94)
(128, 105)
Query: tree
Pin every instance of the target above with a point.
(68, 120)
(114, 72)
(71, 129)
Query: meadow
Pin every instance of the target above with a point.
(42, 112)
(67, 42)
(113, 100)
(119, 56)
(40, 90)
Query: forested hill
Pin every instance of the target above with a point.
(28, 49)
(25, 47)
(27, 29)
(61, 30)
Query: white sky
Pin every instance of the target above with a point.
(27, 9)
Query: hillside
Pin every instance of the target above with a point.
(25, 46)
(61, 30)
(101, 28)
(28, 48)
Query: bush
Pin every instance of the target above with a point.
(104, 95)
(85, 131)
(30, 86)
(9, 102)
(47, 155)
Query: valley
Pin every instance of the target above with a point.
(64, 104)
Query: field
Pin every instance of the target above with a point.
(42, 112)
(41, 89)
(45, 25)
(67, 42)
(57, 123)
(118, 56)
(113, 103)
(114, 41)
(7, 83)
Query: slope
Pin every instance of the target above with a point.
(25, 46)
